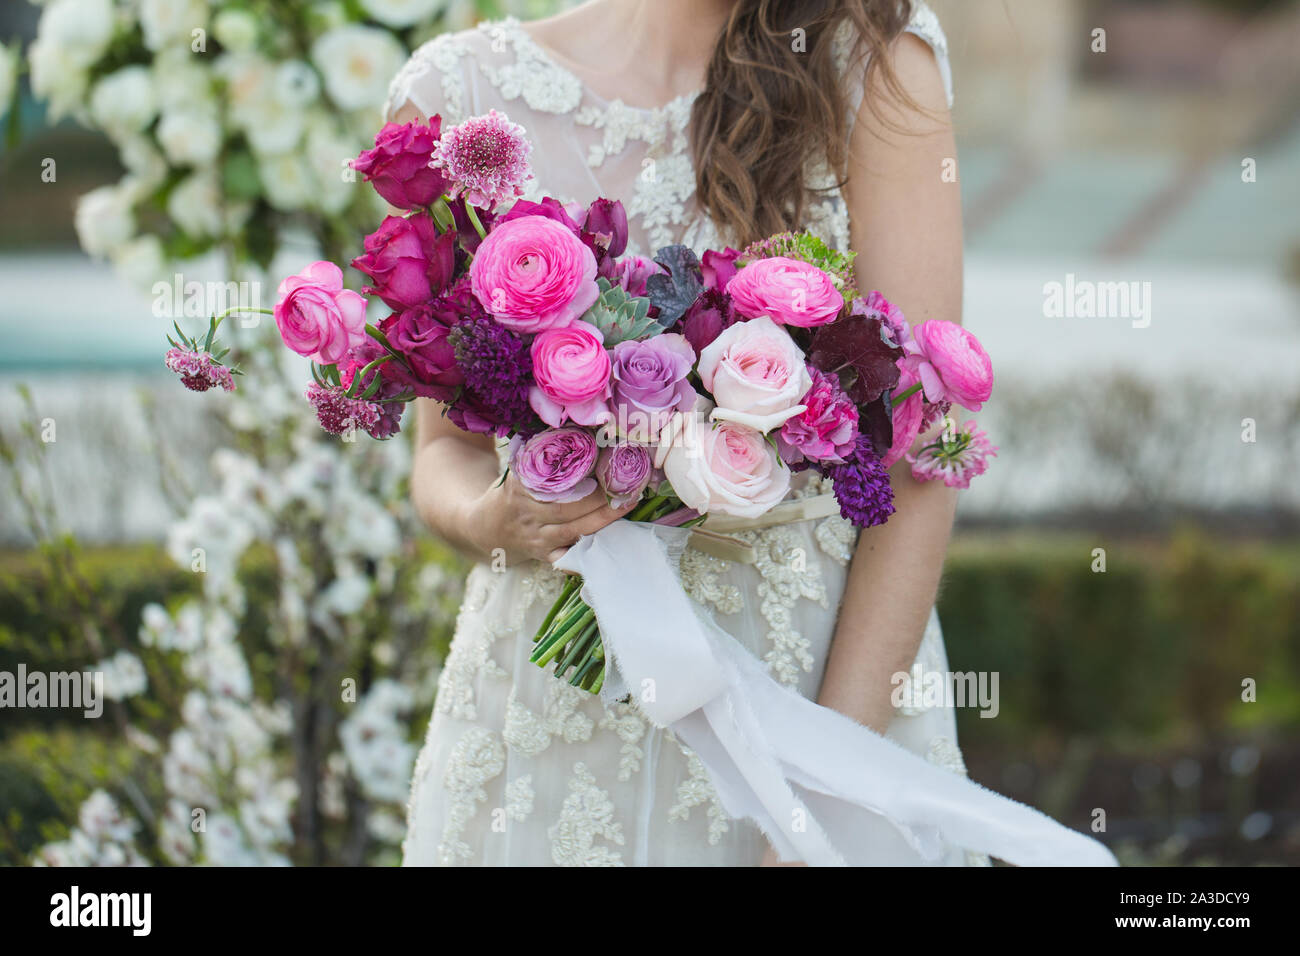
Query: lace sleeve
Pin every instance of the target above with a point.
(433, 80)
(925, 24)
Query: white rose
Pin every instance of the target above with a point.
(357, 63)
(165, 22)
(725, 467)
(287, 182)
(56, 79)
(182, 80)
(236, 30)
(402, 13)
(123, 101)
(79, 29)
(296, 84)
(327, 151)
(104, 219)
(756, 373)
(140, 261)
(190, 137)
(143, 161)
(195, 205)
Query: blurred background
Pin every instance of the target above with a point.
(1130, 566)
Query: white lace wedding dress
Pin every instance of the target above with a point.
(519, 768)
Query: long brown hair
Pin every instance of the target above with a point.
(774, 99)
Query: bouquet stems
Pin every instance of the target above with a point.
(569, 635)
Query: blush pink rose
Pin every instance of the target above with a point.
(317, 317)
(756, 374)
(571, 369)
(728, 468)
(951, 363)
(789, 291)
(534, 274)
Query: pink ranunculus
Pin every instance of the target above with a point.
(789, 291)
(908, 417)
(408, 261)
(398, 166)
(317, 317)
(534, 274)
(756, 374)
(826, 430)
(557, 464)
(728, 468)
(951, 363)
(650, 383)
(624, 470)
(571, 369)
(423, 341)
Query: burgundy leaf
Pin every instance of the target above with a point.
(859, 344)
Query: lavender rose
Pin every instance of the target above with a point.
(408, 261)
(623, 471)
(398, 166)
(557, 464)
(650, 383)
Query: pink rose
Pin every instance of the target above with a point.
(571, 369)
(557, 464)
(317, 317)
(408, 261)
(908, 417)
(534, 274)
(398, 166)
(756, 374)
(789, 291)
(826, 430)
(728, 467)
(951, 363)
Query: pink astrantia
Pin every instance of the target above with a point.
(954, 458)
(485, 158)
(199, 371)
(338, 413)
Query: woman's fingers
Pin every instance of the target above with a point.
(555, 514)
(591, 523)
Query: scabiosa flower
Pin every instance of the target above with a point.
(338, 413)
(198, 370)
(862, 486)
(486, 159)
(954, 458)
(497, 366)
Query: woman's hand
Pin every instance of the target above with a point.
(506, 518)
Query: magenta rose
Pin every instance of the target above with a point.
(790, 292)
(534, 274)
(557, 464)
(571, 369)
(398, 166)
(421, 337)
(317, 317)
(408, 261)
(624, 471)
(826, 429)
(650, 383)
(951, 363)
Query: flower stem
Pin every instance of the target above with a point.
(474, 221)
(907, 393)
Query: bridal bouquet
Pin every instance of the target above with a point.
(690, 385)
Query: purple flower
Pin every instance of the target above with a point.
(398, 166)
(631, 272)
(875, 304)
(485, 158)
(650, 384)
(606, 221)
(199, 371)
(408, 261)
(557, 464)
(862, 486)
(827, 428)
(498, 371)
(624, 471)
(340, 414)
(389, 399)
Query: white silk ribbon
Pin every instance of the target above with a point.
(813, 780)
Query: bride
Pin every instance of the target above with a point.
(715, 122)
